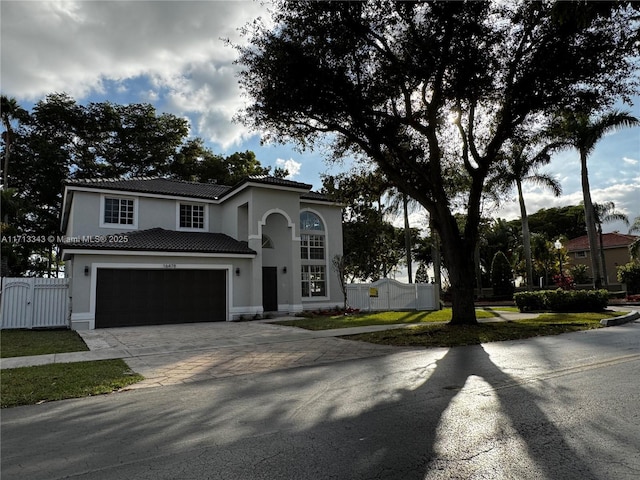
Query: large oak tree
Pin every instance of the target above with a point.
(433, 92)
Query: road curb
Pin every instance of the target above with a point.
(629, 317)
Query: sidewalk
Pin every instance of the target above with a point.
(173, 354)
(103, 345)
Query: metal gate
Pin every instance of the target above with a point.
(34, 303)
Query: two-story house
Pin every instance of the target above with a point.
(147, 251)
(616, 253)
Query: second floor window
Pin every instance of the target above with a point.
(312, 247)
(118, 211)
(191, 216)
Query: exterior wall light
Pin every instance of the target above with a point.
(237, 271)
(86, 270)
(284, 269)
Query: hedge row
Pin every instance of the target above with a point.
(562, 300)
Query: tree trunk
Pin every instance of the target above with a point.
(476, 263)
(435, 255)
(407, 234)
(603, 264)
(526, 236)
(462, 286)
(459, 257)
(590, 220)
(7, 153)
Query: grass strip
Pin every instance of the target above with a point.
(378, 318)
(443, 335)
(20, 343)
(34, 385)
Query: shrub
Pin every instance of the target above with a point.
(562, 300)
(565, 282)
(580, 273)
(629, 274)
(501, 275)
(530, 301)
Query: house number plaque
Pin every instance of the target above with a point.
(169, 265)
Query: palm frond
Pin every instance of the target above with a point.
(606, 212)
(546, 181)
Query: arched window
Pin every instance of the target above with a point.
(310, 221)
(312, 255)
(266, 242)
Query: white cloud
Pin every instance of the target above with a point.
(625, 196)
(290, 165)
(630, 161)
(178, 47)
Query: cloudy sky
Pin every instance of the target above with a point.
(173, 54)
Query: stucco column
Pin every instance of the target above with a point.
(296, 275)
(255, 282)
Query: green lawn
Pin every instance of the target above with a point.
(378, 318)
(32, 385)
(450, 336)
(19, 343)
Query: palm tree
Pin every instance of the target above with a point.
(605, 213)
(634, 248)
(9, 110)
(583, 133)
(522, 167)
(399, 199)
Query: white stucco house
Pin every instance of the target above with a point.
(146, 251)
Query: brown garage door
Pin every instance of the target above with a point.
(127, 297)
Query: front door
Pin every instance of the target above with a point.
(270, 289)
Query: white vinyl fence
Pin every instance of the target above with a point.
(388, 294)
(34, 302)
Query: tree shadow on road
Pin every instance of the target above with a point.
(465, 384)
(436, 414)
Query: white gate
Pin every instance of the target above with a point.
(388, 294)
(34, 302)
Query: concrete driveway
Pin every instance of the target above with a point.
(172, 354)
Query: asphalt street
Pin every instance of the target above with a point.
(562, 407)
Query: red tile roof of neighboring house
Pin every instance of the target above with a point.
(609, 240)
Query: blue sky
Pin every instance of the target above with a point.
(172, 54)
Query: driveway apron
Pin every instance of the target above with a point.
(173, 354)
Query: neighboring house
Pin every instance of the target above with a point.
(616, 252)
(146, 251)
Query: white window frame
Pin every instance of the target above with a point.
(119, 226)
(205, 220)
(306, 278)
(310, 242)
(313, 238)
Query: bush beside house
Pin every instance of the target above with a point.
(629, 274)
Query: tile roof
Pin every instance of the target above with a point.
(163, 186)
(160, 240)
(181, 188)
(316, 196)
(609, 240)
(281, 182)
